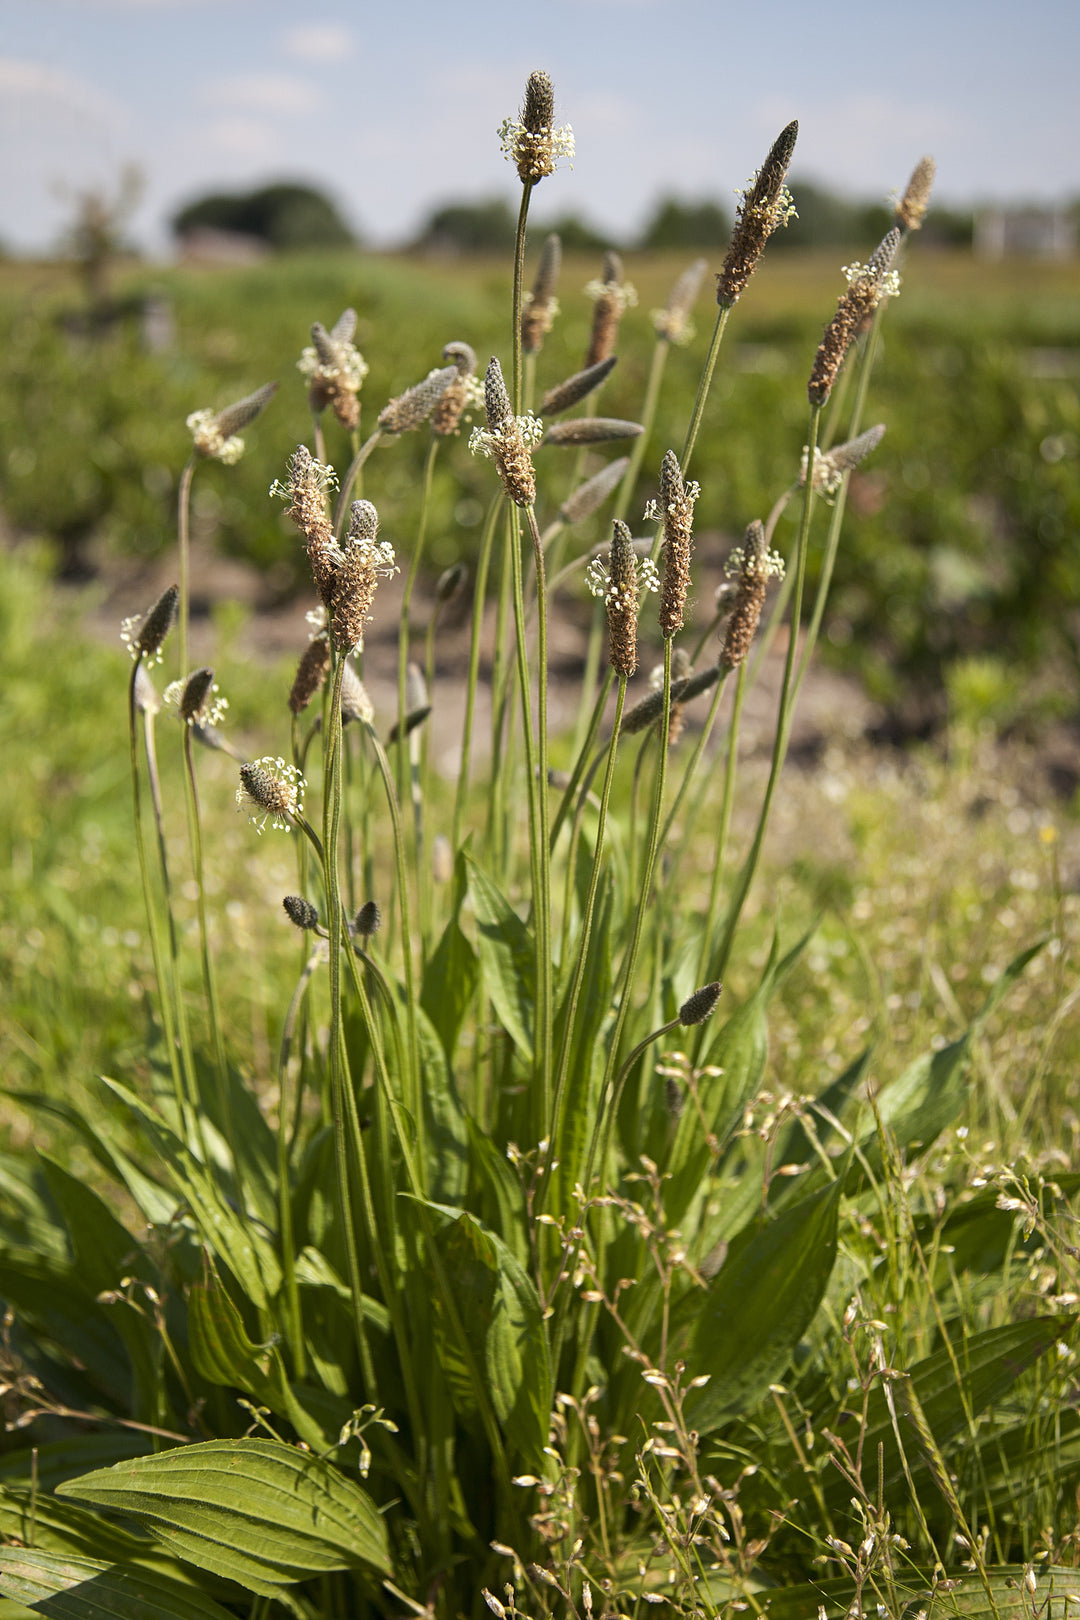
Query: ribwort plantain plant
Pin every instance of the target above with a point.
(513, 1284)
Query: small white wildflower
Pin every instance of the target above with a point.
(209, 440)
(620, 294)
(482, 441)
(211, 710)
(537, 153)
(828, 477)
(770, 566)
(316, 618)
(348, 367)
(598, 580)
(778, 210)
(888, 286)
(316, 475)
(271, 790)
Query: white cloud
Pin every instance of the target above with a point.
(263, 93)
(41, 85)
(245, 138)
(319, 42)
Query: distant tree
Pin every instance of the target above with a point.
(950, 227)
(576, 234)
(284, 215)
(482, 227)
(680, 224)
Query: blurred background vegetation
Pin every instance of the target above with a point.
(960, 569)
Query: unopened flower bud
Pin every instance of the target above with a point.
(577, 387)
(301, 912)
(696, 1008)
(145, 636)
(412, 408)
(592, 430)
(540, 306)
(592, 494)
(310, 673)
(367, 920)
(911, 209)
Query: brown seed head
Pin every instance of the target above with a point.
(592, 494)
(310, 673)
(868, 285)
(305, 489)
(676, 512)
(591, 430)
(911, 209)
(672, 323)
(621, 602)
(539, 310)
(336, 369)
(612, 296)
(538, 107)
(364, 559)
(413, 407)
(576, 388)
(755, 567)
(504, 440)
(531, 141)
(762, 209)
(270, 790)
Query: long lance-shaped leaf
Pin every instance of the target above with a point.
(252, 1511)
(507, 960)
(953, 1592)
(66, 1587)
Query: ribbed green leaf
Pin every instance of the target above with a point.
(989, 1362)
(66, 1587)
(58, 1460)
(238, 1243)
(503, 1321)
(37, 1519)
(253, 1511)
(451, 974)
(507, 959)
(223, 1354)
(759, 1306)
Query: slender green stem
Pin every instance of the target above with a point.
(704, 385)
(648, 417)
(784, 716)
(338, 1076)
(209, 979)
(519, 279)
(726, 808)
(183, 534)
(479, 592)
(406, 603)
(286, 1139)
(341, 505)
(554, 1130)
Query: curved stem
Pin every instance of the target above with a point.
(341, 505)
(183, 535)
(648, 417)
(704, 385)
(479, 592)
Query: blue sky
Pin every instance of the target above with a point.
(394, 107)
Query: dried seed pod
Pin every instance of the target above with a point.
(867, 286)
(752, 565)
(540, 307)
(412, 408)
(449, 583)
(592, 494)
(591, 430)
(447, 414)
(672, 323)
(911, 209)
(676, 513)
(762, 208)
(301, 912)
(144, 635)
(310, 673)
(576, 388)
(612, 296)
(696, 1008)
